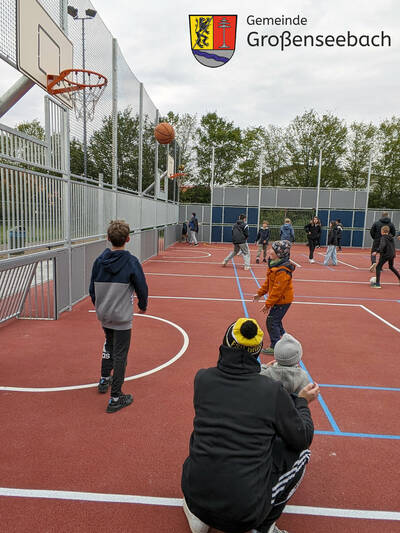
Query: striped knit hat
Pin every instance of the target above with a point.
(281, 248)
(246, 334)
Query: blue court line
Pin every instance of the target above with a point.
(320, 399)
(358, 387)
(246, 314)
(359, 435)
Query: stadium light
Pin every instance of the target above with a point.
(91, 13)
(72, 11)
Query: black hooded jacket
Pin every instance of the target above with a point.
(387, 247)
(240, 232)
(226, 479)
(375, 230)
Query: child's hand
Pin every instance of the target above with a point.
(256, 298)
(309, 392)
(265, 308)
(373, 253)
(271, 363)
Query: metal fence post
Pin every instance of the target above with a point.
(67, 201)
(259, 190)
(47, 130)
(166, 175)
(140, 163)
(156, 173)
(114, 125)
(100, 206)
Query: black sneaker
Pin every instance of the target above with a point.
(103, 385)
(123, 401)
(257, 260)
(264, 260)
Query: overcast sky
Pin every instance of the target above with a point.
(258, 85)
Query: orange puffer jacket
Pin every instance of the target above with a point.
(278, 284)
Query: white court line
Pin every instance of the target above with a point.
(297, 264)
(343, 263)
(129, 378)
(178, 502)
(201, 298)
(380, 318)
(194, 276)
(207, 254)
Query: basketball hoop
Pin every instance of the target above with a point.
(83, 88)
(177, 175)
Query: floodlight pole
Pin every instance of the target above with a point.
(319, 182)
(84, 102)
(366, 201)
(260, 188)
(212, 190)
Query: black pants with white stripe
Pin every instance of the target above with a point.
(115, 354)
(287, 473)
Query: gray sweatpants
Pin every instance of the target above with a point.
(244, 248)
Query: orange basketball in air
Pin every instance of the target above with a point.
(164, 133)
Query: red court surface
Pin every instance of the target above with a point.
(68, 466)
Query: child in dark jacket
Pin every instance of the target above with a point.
(262, 241)
(279, 287)
(387, 253)
(332, 243)
(116, 275)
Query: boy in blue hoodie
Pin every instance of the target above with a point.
(116, 275)
(286, 231)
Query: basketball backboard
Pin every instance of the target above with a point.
(42, 47)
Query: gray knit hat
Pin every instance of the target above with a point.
(288, 351)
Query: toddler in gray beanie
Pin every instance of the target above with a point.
(285, 368)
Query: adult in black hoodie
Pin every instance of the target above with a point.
(375, 233)
(387, 253)
(248, 433)
(313, 230)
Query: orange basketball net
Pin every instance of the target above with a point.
(82, 87)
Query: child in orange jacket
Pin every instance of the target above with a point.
(279, 288)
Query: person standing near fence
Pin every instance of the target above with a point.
(387, 253)
(193, 228)
(332, 243)
(116, 275)
(339, 229)
(240, 234)
(313, 231)
(287, 231)
(375, 233)
(262, 241)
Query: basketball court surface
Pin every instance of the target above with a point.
(68, 466)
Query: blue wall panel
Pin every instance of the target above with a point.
(346, 217)
(346, 238)
(216, 233)
(359, 218)
(323, 216)
(324, 234)
(357, 238)
(252, 234)
(227, 235)
(217, 214)
(231, 214)
(252, 216)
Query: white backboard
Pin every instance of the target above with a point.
(42, 47)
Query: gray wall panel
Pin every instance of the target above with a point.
(206, 214)
(342, 199)
(253, 197)
(182, 213)
(324, 196)
(288, 198)
(218, 195)
(78, 268)
(361, 198)
(62, 273)
(235, 196)
(309, 198)
(268, 197)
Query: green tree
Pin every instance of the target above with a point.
(32, 128)
(275, 156)
(185, 134)
(360, 143)
(305, 136)
(227, 140)
(251, 150)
